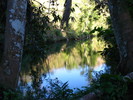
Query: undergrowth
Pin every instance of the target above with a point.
(105, 86)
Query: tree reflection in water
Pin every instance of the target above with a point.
(72, 61)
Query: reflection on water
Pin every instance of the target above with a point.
(74, 77)
(72, 62)
(77, 78)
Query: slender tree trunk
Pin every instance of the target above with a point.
(66, 13)
(123, 29)
(14, 38)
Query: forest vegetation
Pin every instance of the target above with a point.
(36, 34)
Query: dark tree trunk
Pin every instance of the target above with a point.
(14, 38)
(123, 30)
(66, 13)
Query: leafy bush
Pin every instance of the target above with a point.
(110, 52)
(111, 87)
(9, 94)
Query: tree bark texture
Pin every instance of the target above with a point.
(123, 30)
(14, 39)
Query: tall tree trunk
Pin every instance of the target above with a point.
(66, 14)
(123, 29)
(14, 38)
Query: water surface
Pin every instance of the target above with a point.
(72, 62)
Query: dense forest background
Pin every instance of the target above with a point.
(27, 27)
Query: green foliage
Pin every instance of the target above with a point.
(110, 52)
(89, 17)
(9, 94)
(55, 91)
(130, 7)
(40, 26)
(105, 34)
(60, 91)
(40, 29)
(111, 87)
(37, 24)
(106, 86)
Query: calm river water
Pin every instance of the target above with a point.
(70, 62)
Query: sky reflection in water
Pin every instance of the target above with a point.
(74, 63)
(74, 76)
